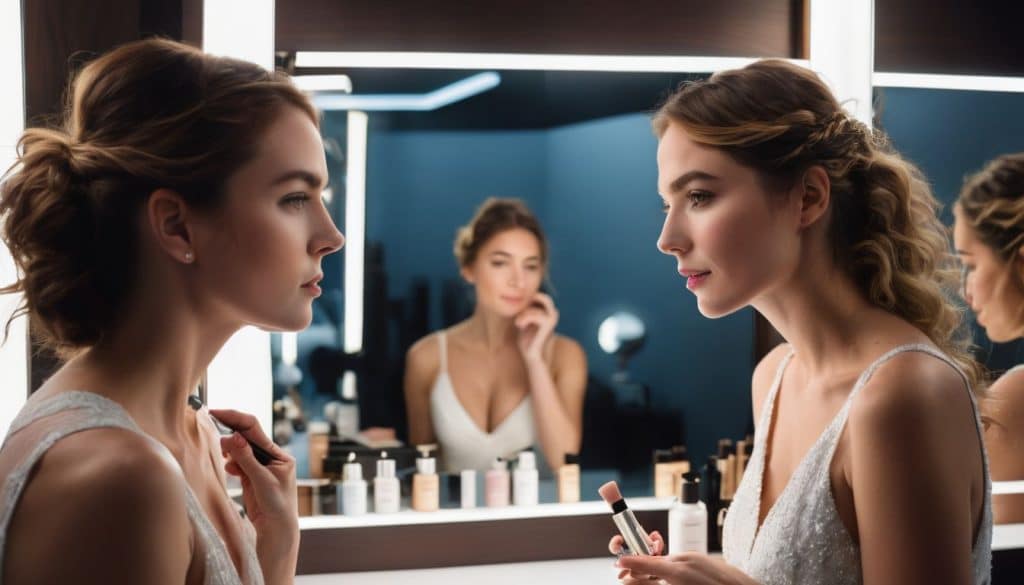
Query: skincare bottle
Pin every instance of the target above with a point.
(680, 465)
(724, 448)
(663, 473)
(426, 491)
(496, 484)
(712, 497)
(524, 480)
(353, 488)
(319, 444)
(688, 519)
(467, 488)
(386, 491)
(569, 479)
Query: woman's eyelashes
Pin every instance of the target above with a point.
(695, 198)
(698, 198)
(295, 200)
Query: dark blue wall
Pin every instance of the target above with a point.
(951, 134)
(593, 186)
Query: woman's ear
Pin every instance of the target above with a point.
(815, 193)
(167, 216)
(467, 275)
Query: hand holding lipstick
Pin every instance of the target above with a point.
(536, 323)
(681, 569)
(268, 491)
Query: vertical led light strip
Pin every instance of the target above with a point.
(240, 375)
(243, 29)
(355, 241)
(842, 51)
(14, 353)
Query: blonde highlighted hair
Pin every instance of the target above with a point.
(780, 119)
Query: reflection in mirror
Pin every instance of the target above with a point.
(577, 149)
(976, 126)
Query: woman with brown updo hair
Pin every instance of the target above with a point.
(501, 381)
(868, 465)
(178, 201)
(989, 237)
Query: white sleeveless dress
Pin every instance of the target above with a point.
(802, 539)
(43, 422)
(464, 445)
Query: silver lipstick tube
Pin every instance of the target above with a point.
(636, 539)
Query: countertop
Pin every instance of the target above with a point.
(591, 571)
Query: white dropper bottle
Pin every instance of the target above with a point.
(524, 480)
(386, 491)
(353, 488)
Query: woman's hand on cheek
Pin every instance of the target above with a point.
(536, 324)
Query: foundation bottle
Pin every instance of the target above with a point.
(663, 472)
(569, 479)
(426, 492)
(496, 484)
(680, 466)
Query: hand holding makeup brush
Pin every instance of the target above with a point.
(268, 491)
(536, 323)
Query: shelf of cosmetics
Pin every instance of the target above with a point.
(340, 483)
(343, 473)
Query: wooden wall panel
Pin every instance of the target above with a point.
(978, 37)
(683, 27)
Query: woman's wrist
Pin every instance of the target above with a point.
(279, 555)
(535, 362)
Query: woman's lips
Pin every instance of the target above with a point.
(313, 286)
(694, 278)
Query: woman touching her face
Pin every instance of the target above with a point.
(502, 380)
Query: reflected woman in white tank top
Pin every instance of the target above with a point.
(502, 380)
(868, 464)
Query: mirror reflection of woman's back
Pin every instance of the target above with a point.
(501, 381)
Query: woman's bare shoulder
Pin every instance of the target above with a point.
(110, 505)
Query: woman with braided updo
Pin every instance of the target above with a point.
(178, 201)
(989, 237)
(868, 464)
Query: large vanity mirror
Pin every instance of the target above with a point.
(577, 148)
(951, 133)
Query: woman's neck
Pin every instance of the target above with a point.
(829, 323)
(493, 331)
(151, 362)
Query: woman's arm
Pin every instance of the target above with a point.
(557, 400)
(422, 362)
(915, 465)
(1004, 438)
(556, 390)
